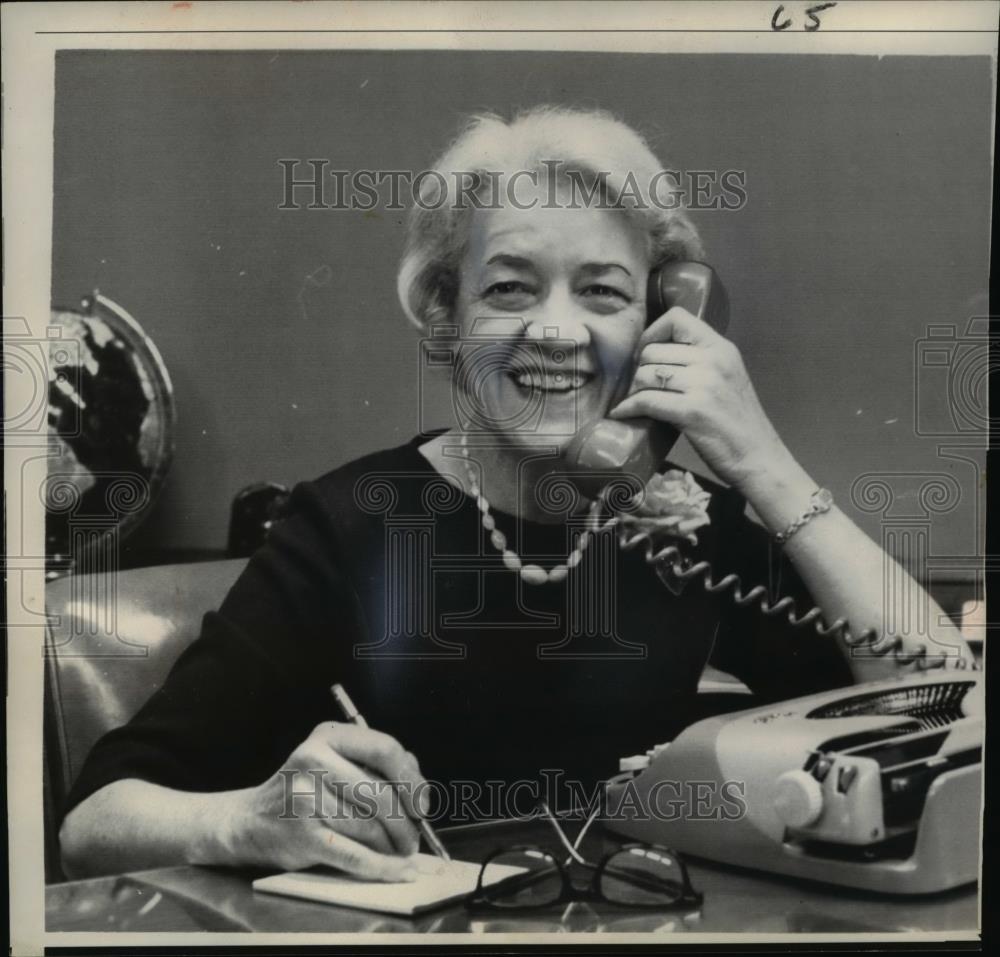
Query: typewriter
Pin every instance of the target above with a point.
(877, 786)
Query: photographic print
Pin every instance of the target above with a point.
(485, 472)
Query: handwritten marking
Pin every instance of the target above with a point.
(811, 14)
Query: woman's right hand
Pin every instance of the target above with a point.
(331, 803)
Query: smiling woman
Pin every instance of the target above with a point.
(476, 603)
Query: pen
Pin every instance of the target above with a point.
(352, 714)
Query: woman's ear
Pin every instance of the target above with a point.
(427, 291)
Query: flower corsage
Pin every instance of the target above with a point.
(671, 505)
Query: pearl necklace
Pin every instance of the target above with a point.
(532, 574)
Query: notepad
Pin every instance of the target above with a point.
(445, 882)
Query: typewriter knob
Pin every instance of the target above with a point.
(798, 798)
(973, 705)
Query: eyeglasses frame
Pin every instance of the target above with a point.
(570, 891)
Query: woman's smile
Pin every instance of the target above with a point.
(549, 379)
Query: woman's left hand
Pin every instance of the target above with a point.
(693, 378)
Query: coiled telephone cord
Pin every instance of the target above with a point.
(671, 560)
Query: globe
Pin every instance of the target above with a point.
(111, 425)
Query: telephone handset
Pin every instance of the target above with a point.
(607, 448)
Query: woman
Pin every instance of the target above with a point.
(484, 618)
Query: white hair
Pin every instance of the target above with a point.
(591, 143)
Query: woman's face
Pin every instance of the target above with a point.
(551, 304)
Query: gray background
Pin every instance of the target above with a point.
(868, 183)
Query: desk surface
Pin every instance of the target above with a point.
(184, 899)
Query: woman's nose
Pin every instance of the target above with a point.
(558, 316)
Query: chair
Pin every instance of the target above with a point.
(111, 639)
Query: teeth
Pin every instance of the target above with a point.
(554, 381)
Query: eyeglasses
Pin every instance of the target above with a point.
(526, 877)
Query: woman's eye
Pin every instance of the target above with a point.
(606, 293)
(509, 292)
(511, 285)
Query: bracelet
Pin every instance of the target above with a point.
(820, 501)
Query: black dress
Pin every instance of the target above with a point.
(382, 578)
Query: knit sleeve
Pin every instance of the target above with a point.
(255, 681)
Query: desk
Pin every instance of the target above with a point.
(184, 899)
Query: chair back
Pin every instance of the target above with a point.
(111, 640)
